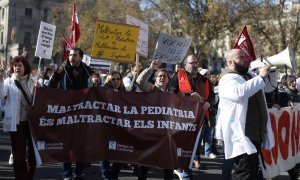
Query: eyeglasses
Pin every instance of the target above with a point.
(116, 79)
(193, 63)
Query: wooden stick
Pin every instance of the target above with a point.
(137, 60)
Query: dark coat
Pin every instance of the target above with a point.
(72, 78)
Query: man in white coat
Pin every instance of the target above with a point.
(242, 119)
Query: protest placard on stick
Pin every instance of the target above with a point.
(142, 44)
(44, 45)
(115, 42)
(171, 49)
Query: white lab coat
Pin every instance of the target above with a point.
(234, 92)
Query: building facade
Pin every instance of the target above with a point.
(19, 25)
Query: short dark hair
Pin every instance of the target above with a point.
(161, 70)
(79, 50)
(24, 61)
(95, 74)
(285, 79)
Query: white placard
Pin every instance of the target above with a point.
(142, 44)
(44, 45)
(102, 66)
(171, 49)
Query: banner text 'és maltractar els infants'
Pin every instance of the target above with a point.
(100, 124)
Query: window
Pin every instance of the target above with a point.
(27, 38)
(28, 12)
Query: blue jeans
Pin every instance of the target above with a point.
(108, 172)
(207, 137)
(187, 174)
(67, 169)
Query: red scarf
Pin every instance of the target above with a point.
(183, 82)
(185, 87)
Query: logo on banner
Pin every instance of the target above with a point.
(242, 39)
(183, 153)
(179, 151)
(112, 145)
(41, 145)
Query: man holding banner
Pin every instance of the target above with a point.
(189, 82)
(72, 75)
(242, 119)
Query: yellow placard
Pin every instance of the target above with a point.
(115, 42)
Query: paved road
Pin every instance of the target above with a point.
(211, 168)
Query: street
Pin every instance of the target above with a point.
(210, 168)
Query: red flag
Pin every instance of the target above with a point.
(244, 43)
(75, 30)
(67, 47)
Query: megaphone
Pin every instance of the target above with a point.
(284, 58)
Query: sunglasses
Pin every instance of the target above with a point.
(115, 79)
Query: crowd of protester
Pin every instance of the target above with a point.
(213, 90)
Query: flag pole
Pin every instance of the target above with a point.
(74, 38)
(39, 67)
(74, 20)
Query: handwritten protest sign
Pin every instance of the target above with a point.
(44, 45)
(285, 154)
(142, 45)
(171, 49)
(115, 42)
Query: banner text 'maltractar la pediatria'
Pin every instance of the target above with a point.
(154, 129)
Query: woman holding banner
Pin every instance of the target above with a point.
(288, 94)
(16, 92)
(113, 81)
(161, 81)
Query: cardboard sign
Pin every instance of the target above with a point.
(115, 42)
(44, 45)
(171, 49)
(142, 45)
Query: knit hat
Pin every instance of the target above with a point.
(204, 71)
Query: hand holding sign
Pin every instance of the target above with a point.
(201, 99)
(61, 67)
(155, 64)
(171, 49)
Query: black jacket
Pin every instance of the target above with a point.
(72, 78)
